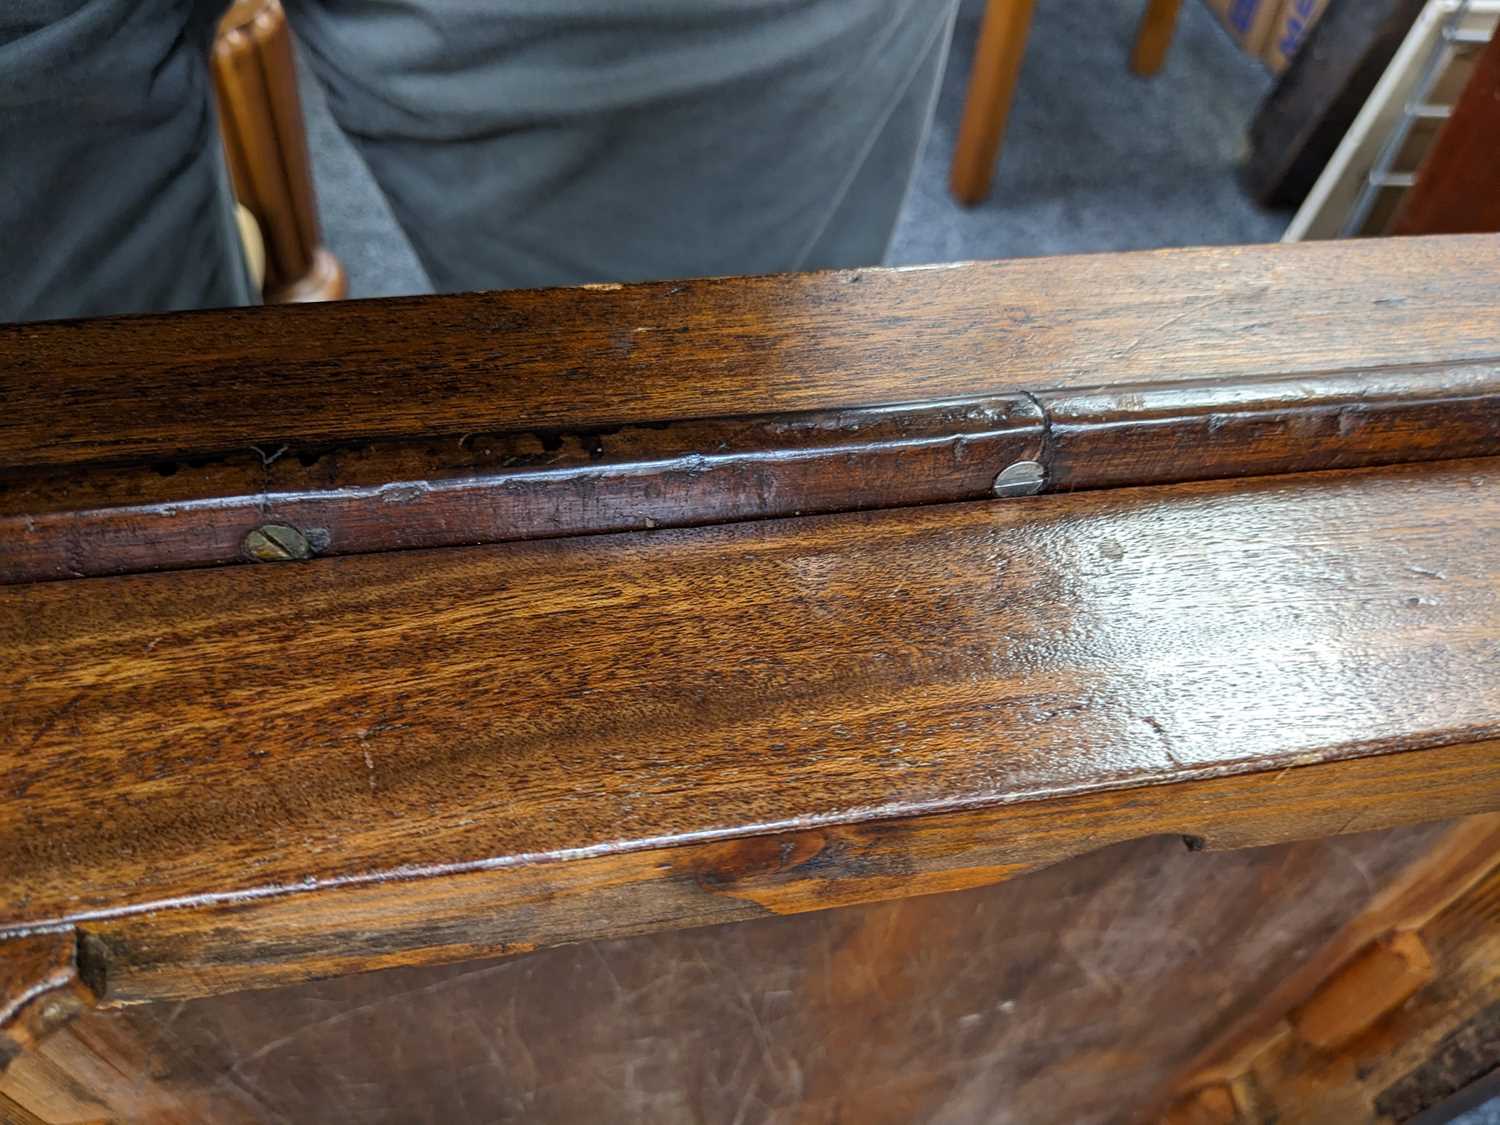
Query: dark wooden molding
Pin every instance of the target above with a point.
(42, 986)
(491, 488)
(1210, 429)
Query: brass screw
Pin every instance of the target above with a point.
(275, 542)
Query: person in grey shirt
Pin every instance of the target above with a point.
(520, 142)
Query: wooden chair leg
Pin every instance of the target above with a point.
(260, 116)
(992, 83)
(1154, 36)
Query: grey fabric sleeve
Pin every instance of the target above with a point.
(535, 142)
(521, 142)
(113, 192)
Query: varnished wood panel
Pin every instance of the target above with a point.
(1058, 999)
(234, 740)
(217, 944)
(419, 708)
(147, 387)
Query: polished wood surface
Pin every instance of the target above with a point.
(735, 678)
(172, 388)
(521, 708)
(1458, 184)
(1256, 602)
(265, 144)
(224, 943)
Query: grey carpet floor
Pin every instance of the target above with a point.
(1094, 159)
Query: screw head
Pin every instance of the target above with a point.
(1024, 478)
(55, 1012)
(275, 542)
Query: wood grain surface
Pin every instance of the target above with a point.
(175, 386)
(214, 944)
(225, 739)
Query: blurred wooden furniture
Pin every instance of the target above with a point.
(260, 117)
(1458, 185)
(1382, 157)
(996, 68)
(1396, 1018)
(1302, 121)
(402, 635)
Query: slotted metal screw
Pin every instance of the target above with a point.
(275, 542)
(1024, 478)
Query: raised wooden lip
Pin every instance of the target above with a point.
(185, 384)
(1475, 742)
(429, 491)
